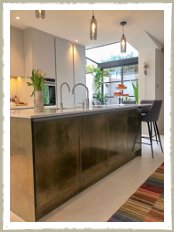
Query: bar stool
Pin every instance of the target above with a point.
(150, 116)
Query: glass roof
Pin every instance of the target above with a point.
(110, 52)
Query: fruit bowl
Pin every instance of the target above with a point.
(121, 86)
(118, 94)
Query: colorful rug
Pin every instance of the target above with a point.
(146, 204)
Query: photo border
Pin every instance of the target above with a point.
(5, 111)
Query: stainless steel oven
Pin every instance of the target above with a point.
(49, 92)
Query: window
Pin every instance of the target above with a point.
(121, 68)
(120, 75)
(110, 52)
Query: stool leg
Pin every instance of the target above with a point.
(158, 136)
(150, 136)
(155, 132)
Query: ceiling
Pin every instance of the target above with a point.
(74, 25)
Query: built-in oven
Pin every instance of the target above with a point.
(49, 92)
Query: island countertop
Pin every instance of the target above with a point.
(29, 113)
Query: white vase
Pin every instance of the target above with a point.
(38, 101)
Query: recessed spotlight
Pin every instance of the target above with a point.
(17, 17)
(77, 41)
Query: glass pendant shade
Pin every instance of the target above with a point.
(123, 44)
(93, 28)
(40, 14)
(123, 38)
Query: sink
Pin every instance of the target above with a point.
(69, 108)
(104, 106)
(107, 106)
(98, 106)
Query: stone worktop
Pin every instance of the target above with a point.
(54, 112)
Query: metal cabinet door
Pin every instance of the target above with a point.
(133, 133)
(93, 148)
(117, 138)
(56, 157)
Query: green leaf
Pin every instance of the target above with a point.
(30, 84)
(37, 80)
(135, 88)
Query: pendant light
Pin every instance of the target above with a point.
(40, 14)
(93, 27)
(123, 38)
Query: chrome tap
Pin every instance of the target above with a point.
(61, 103)
(87, 99)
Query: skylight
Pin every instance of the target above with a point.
(110, 53)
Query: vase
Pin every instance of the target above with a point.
(38, 101)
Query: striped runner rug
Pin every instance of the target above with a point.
(146, 204)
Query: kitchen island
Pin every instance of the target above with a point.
(58, 153)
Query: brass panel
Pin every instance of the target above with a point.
(117, 138)
(93, 148)
(68, 154)
(21, 169)
(133, 133)
(56, 145)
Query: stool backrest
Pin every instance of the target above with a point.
(146, 101)
(145, 109)
(154, 110)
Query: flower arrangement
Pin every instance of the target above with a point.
(37, 80)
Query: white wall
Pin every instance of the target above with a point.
(146, 82)
(151, 85)
(159, 85)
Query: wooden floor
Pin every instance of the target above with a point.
(98, 202)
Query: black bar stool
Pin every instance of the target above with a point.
(150, 115)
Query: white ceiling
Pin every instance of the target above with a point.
(74, 25)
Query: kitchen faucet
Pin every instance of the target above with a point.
(87, 99)
(61, 103)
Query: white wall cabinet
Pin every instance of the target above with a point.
(39, 52)
(70, 68)
(16, 52)
(64, 69)
(57, 57)
(79, 73)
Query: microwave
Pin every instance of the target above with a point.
(49, 92)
